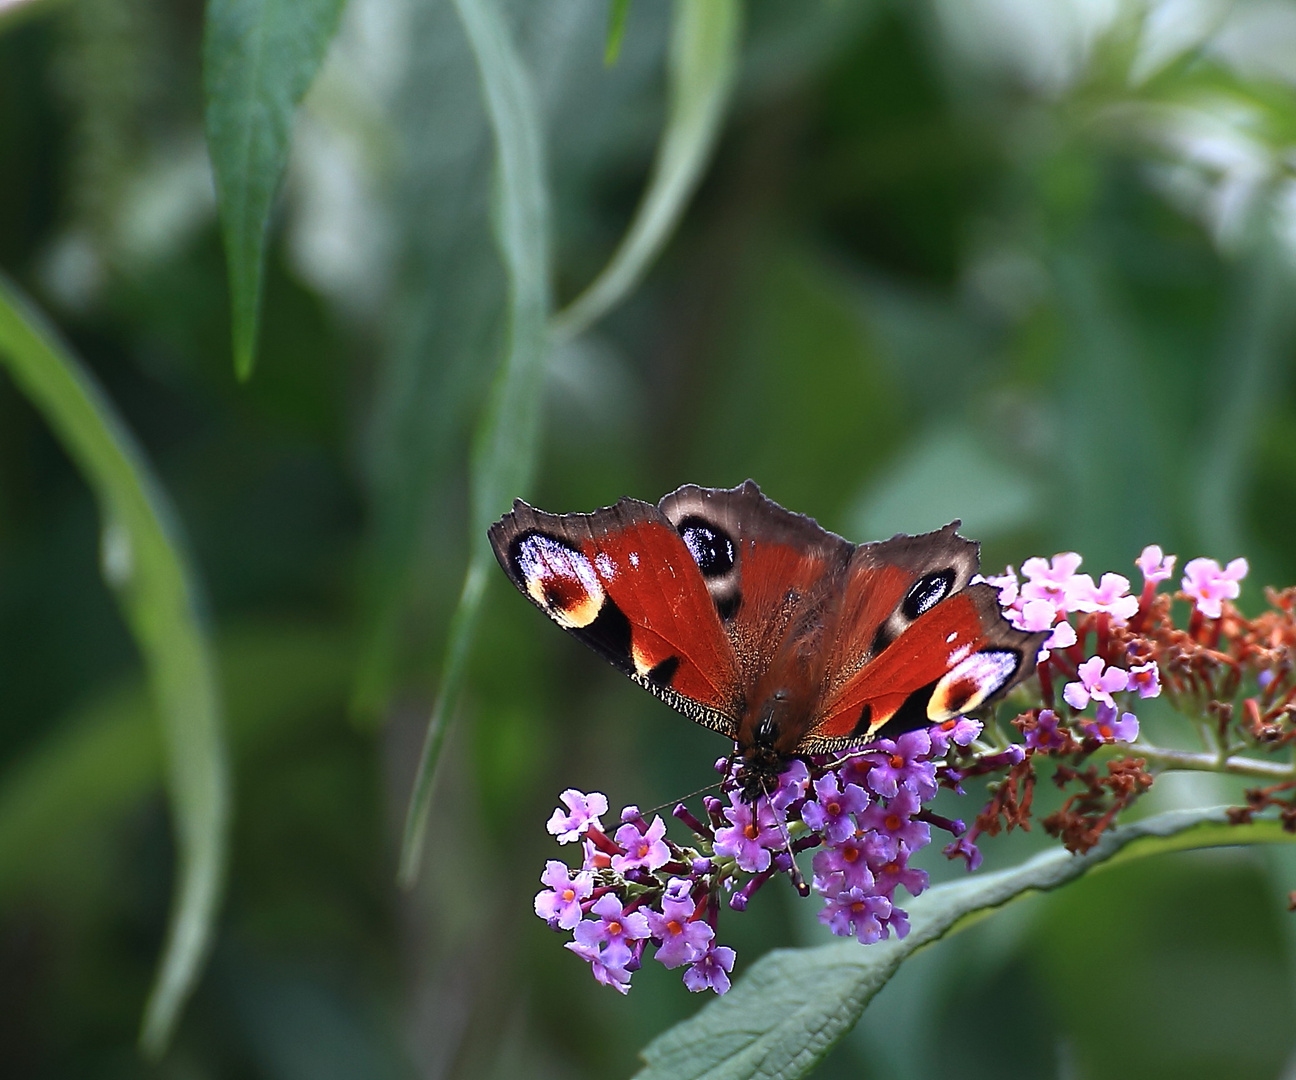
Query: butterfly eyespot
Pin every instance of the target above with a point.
(927, 592)
(559, 578)
(711, 549)
(971, 682)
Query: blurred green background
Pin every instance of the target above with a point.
(1023, 262)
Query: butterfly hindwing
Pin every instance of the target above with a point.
(949, 657)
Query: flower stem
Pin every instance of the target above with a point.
(1239, 766)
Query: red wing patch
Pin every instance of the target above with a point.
(949, 660)
(624, 582)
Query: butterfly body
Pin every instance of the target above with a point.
(758, 623)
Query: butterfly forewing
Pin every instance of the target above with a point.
(623, 581)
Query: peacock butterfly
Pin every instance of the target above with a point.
(761, 625)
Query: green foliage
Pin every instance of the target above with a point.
(793, 1006)
(259, 59)
(143, 561)
(618, 16)
(1025, 265)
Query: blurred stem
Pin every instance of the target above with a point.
(462, 629)
(618, 16)
(1238, 766)
(506, 440)
(703, 57)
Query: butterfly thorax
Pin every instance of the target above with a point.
(769, 735)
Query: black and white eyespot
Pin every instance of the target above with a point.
(928, 591)
(712, 549)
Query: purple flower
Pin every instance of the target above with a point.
(1207, 584)
(960, 730)
(751, 835)
(1155, 567)
(1111, 596)
(1107, 728)
(854, 911)
(1006, 583)
(711, 969)
(848, 862)
(606, 970)
(792, 784)
(595, 858)
(646, 850)
(893, 825)
(1046, 735)
(1037, 615)
(897, 871)
(903, 763)
(613, 930)
(898, 921)
(831, 811)
(964, 848)
(1097, 682)
(1063, 637)
(683, 938)
(560, 904)
(1051, 580)
(1146, 679)
(584, 811)
(679, 888)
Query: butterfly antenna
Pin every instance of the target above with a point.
(794, 871)
(675, 802)
(728, 773)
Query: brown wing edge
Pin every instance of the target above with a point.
(941, 549)
(741, 514)
(739, 508)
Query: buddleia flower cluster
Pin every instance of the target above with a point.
(864, 814)
(637, 889)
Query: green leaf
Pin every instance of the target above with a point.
(259, 59)
(793, 1005)
(148, 569)
(618, 16)
(703, 54)
(506, 440)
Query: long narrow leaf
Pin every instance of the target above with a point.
(259, 59)
(703, 53)
(505, 444)
(146, 565)
(793, 1005)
